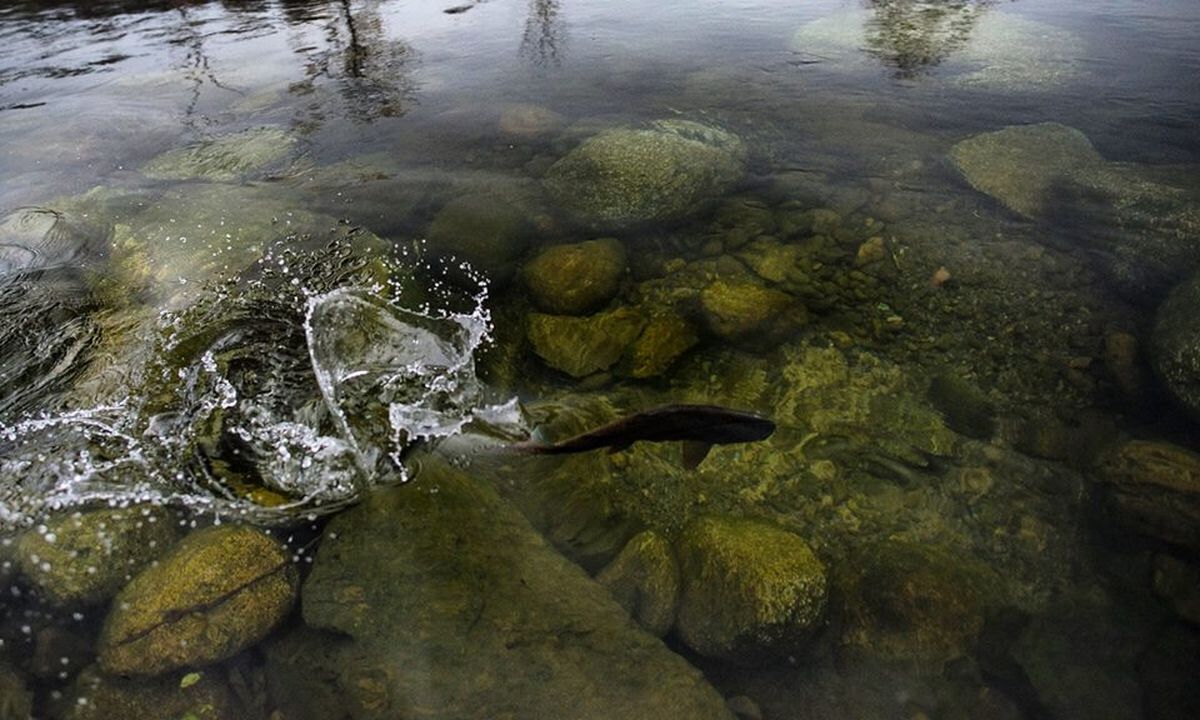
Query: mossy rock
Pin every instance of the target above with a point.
(84, 558)
(663, 172)
(177, 696)
(576, 279)
(226, 158)
(1175, 345)
(908, 601)
(489, 231)
(1153, 488)
(750, 590)
(747, 312)
(221, 590)
(644, 579)
(665, 339)
(581, 346)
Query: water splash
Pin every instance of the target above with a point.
(282, 393)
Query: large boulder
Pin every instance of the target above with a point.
(750, 590)
(576, 279)
(1153, 488)
(1175, 344)
(441, 600)
(662, 172)
(487, 230)
(580, 346)
(221, 590)
(84, 558)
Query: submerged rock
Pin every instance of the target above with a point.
(644, 578)
(580, 346)
(197, 696)
(1153, 488)
(450, 605)
(489, 231)
(749, 312)
(1178, 583)
(16, 701)
(1175, 345)
(576, 279)
(220, 590)
(750, 590)
(84, 558)
(663, 172)
(525, 121)
(226, 158)
(1144, 231)
(903, 601)
(665, 339)
(966, 408)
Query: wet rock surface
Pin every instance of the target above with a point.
(663, 172)
(490, 622)
(219, 591)
(749, 590)
(576, 279)
(84, 558)
(1153, 488)
(644, 579)
(1175, 345)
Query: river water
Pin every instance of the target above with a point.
(284, 279)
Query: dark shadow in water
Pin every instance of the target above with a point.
(544, 39)
(914, 36)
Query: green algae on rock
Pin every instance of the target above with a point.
(219, 591)
(906, 601)
(576, 279)
(665, 339)
(750, 313)
(580, 346)
(226, 158)
(644, 578)
(750, 590)
(662, 172)
(84, 558)
(449, 604)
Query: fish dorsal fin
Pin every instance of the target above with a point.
(694, 452)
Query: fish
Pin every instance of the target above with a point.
(698, 427)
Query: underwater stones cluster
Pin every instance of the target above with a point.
(1145, 234)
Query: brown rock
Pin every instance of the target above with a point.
(1153, 488)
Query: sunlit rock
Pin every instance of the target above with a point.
(909, 601)
(662, 172)
(449, 604)
(226, 158)
(576, 279)
(580, 346)
(644, 578)
(750, 313)
(1153, 488)
(203, 695)
(1175, 344)
(665, 339)
(219, 591)
(83, 558)
(749, 590)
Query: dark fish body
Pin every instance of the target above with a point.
(699, 427)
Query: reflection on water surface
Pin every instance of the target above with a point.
(279, 281)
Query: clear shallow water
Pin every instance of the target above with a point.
(947, 376)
